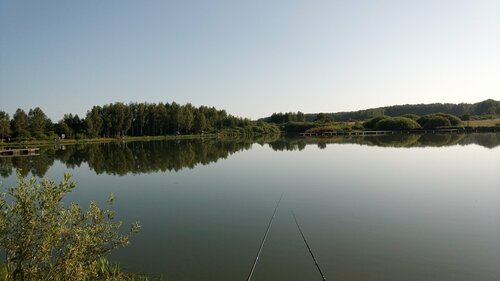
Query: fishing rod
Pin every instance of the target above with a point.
(264, 239)
(309, 248)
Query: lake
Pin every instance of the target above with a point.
(396, 207)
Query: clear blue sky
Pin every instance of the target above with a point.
(251, 58)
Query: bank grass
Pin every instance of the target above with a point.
(250, 130)
(333, 127)
(483, 123)
(31, 143)
(45, 142)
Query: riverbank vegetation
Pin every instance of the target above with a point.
(171, 120)
(129, 120)
(487, 109)
(455, 115)
(387, 118)
(413, 122)
(45, 240)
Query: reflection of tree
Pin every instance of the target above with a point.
(37, 165)
(489, 140)
(154, 156)
(288, 144)
(398, 140)
(6, 167)
(40, 164)
(322, 144)
(72, 155)
(440, 139)
(130, 157)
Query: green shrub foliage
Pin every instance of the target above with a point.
(45, 240)
(370, 124)
(487, 107)
(434, 122)
(411, 116)
(397, 123)
(454, 120)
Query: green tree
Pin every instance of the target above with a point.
(175, 116)
(44, 240)
(20, 124)
(370, 124)
(322, 118)
(4, 124)
(200, 121)
(94, 121)
(127, 119)
(434, 122)
(187, 117)
(397, 123)
(411, 116)
(37, 121)
(62, 128)
(161, 116)
(454, 120)
(141, 117)
(301, 117)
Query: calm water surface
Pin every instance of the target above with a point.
(375, 208)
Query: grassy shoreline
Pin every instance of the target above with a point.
(106, 140)
(224, 135)
(221, 135)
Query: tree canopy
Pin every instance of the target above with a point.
(134, 119)
(486, 107)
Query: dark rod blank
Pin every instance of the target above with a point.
(309, 248)
(264, 239)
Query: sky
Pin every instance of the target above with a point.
(251, 58)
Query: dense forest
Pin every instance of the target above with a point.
(485, 109)
(134, 119)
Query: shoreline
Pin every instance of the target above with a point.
(108, 140)
(19, 144)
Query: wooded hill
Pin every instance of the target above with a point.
(488, 109)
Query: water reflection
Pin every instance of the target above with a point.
(154, 156)
(490, 140)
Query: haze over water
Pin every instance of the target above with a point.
(369, 212)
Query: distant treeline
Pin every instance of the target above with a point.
(488, 109)
(134, 119)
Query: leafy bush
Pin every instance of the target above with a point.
(397, 123)
(434, 121)
(331, 127)
(44, 240)
(411, 116)
(370, 124)
(454, 120)
(298, 127)
(357, 126)
(465, 117)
